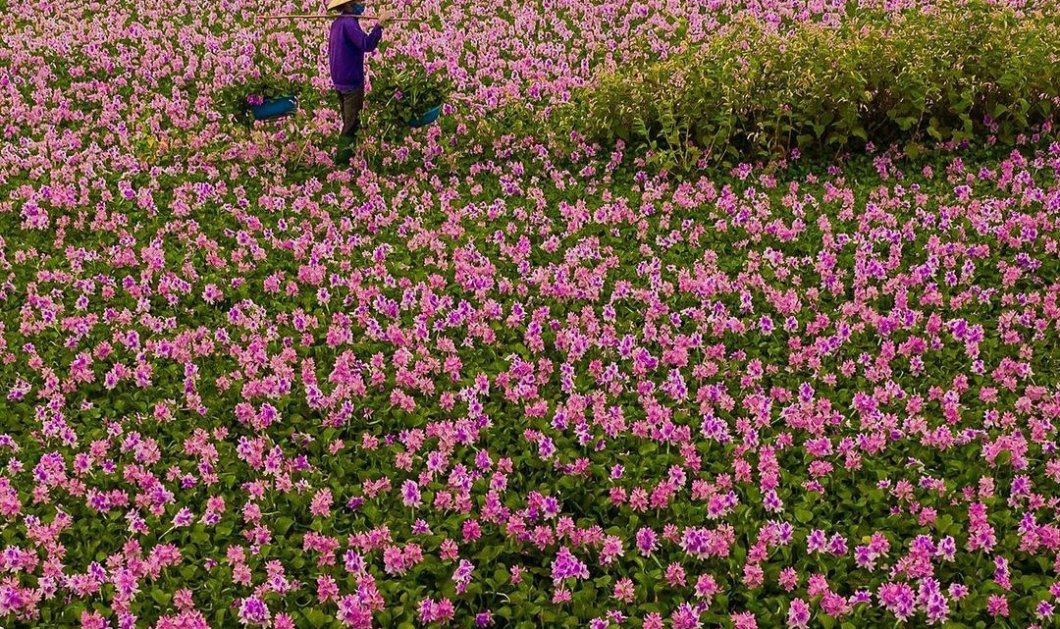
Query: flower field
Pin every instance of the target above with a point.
(496, 375)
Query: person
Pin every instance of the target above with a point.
(347, 44)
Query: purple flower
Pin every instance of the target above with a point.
(646, 540)
(253, 611)
(1044, 611)
(566, 565)
(410, 494)
(798, 614)
(462, 575)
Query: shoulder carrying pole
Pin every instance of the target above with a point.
(327, 16)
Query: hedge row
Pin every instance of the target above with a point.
(962, 70)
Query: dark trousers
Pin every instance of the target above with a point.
(350, 105)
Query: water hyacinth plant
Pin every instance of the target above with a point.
(517, 377)
(239, 99)
(401, 90)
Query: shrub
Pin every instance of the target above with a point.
(948, 73)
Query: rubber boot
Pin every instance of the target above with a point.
(344, 151)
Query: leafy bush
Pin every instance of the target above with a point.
(948, 73)
(402, 90)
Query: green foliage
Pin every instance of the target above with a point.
(237, 99)
(750, 91)
(401, 90)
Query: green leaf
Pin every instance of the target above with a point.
(283, 524)
(316, 617)
(160, 597)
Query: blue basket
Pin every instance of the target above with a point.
(427, 118)
(275, 108)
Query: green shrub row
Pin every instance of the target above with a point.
(962, 70)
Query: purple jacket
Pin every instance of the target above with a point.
(347, 44)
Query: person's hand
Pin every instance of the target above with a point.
(384, 17)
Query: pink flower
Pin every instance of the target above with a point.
(410, 494)
(744, 620)
(252, 611)
(798, 614)
(997, 605)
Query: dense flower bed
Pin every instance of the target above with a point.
(488, 383)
